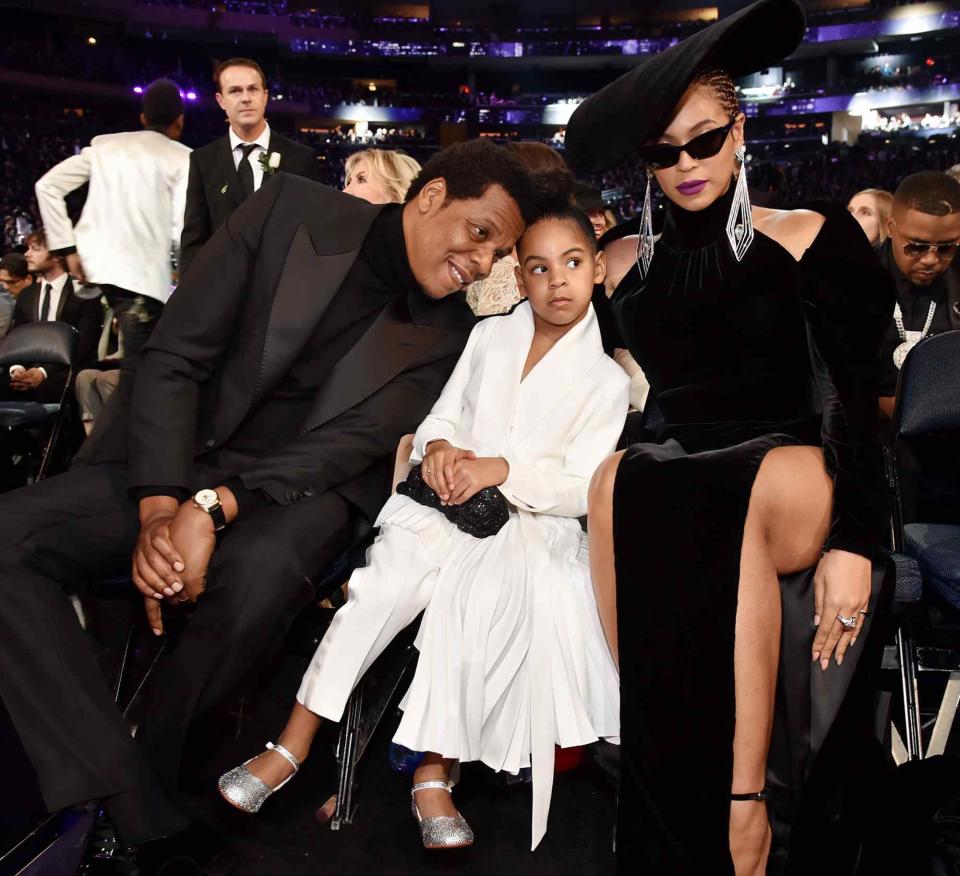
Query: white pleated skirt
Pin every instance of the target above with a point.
(513, 660)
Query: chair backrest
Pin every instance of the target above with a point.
(928, 393)
(39, 343)
(926, 431)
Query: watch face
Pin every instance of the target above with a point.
(207, 498)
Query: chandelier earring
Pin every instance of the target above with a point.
(646, 240)
(740, 220)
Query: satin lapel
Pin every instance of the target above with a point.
(391, 345)
(227, 179)
(550, 382)
(306, 287)
(502, 364)
(66, 293)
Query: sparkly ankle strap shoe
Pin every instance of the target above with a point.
(440, 831)
(243, 790)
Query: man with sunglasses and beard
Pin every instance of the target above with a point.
(924, 237)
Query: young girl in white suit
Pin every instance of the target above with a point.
(513, 659)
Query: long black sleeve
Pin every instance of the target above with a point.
(349, 444)
(848, 303)
(189, 342)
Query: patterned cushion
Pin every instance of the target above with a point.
(936, 547)
(909, 584)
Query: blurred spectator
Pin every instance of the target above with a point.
(871, 208)
(609, 220)
(954, 172)
(588, 198)
(50, 299)
(380, 176)
(14, 278)
(924, 237)
(230, 169)
(131, 219)
(94, 386)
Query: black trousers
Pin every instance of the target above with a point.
(81, 526)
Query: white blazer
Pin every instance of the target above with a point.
(133, 214)
(554, 428)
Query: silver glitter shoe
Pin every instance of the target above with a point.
(243, 790)
(441, 831)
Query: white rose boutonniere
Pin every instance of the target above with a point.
(269, 161)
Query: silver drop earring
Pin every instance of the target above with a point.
(740, 221)
(645, 240)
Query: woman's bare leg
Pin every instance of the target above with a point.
(602, 567)
(297, 737)
(434, 801)
(787, 522)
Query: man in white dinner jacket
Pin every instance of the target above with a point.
(130, 227)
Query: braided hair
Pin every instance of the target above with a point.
(718, 82)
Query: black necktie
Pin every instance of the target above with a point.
(245, 169)
(45, 302)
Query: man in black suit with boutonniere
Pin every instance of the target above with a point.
(231, 168)
(312, 332)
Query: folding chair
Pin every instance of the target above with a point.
(370, 700)
(39, 343)
(923, 471)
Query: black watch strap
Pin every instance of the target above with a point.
(218, 517)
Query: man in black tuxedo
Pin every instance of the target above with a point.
(312, 332)
(51, 298)
(227, 171)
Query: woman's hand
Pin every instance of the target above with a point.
(438, 465)
(841, 587)
(470, 476)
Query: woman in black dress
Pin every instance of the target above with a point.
(758, 330)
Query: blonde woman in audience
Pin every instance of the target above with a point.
(871, 208)
(380, 176)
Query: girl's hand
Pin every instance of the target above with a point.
(471, 476)
(438, 464)
(841, 588)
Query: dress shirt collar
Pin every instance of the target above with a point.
(263, 141)
(55, 296)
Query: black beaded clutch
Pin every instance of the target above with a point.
(481, 516)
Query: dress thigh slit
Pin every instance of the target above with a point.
(678, 534)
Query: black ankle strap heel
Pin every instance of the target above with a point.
(757, 796)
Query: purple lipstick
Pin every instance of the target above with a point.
(692, 187)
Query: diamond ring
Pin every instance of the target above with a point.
(849, 623)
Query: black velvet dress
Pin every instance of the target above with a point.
(742, 358)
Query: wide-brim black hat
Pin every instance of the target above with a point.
(609, 125)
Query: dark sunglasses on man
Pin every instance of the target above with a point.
(916, 249)
(660, 156)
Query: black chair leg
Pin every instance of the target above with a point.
(369, 702)
(906, 652)
(348, 756)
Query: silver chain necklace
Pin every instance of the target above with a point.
(909, 339)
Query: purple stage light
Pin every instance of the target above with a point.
(138, 89)
(191, 95)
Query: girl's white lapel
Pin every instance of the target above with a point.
(503, 402)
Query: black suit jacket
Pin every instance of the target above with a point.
(240, 319)
(214, 190)
(85, 315)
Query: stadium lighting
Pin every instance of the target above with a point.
(138, 89)
(91, 40)
(191, 95)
